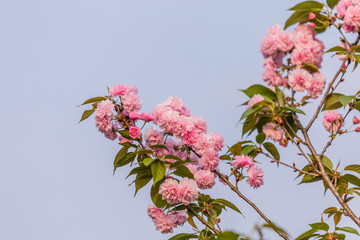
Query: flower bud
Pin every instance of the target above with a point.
(312, 24)
(357, 129)
(356, 120)
(312, 16)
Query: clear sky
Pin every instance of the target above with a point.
(56, 179)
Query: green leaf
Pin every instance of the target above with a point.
(327, 162)
(296, 17)
(173, 157)
(259, 89)
(125, 134)
(354, 168)
(93, 100)
(332, 3)
(272, 150)
(225, 157)
(246, 149)
(139, 170)
(357, 58)
(156, 197)
(310, 67)
(307, 235)
(127, 144)
(333, 102)
(252, 110)
(86, 114)
(141, 180)
(119, 157)
(260, 138)
(158, 146)
(183, 236)
(158, 169)
(183, 171)
(292, 109)
(320, 226)
(336, 49)
(236, 148)
(280, 96)
(308, 6)
(228, 236)
(348, 229)
(352, 179)
(144, 151)
(345, 100)
(309, 179)
(147, 161)
(228, 204)
(337, 218)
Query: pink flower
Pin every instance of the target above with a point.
(177, 105)
(169, 190)
(105, 108)
(147, 117)
(341, 7)
(154, 212)
(117, 90)
(134, 115)
(270, 75)
(164, 225)
(255, 99)
(192, 168)
(352, 16)
(242, 161)
(285, 41)
(255, 176)
(209, 160)
(131, 102)
(268, 45)
(332, 121)
(179, 218)
(111, 135)
(317, 85)
(357, 129)
(205, 179)
(312, 25)
(188, 191)
(356, 120)
(312, 16)
(153, 136)
(299, 80)
(134, 132)
(273, 132)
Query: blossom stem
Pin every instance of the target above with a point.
(202, 220)
(233, 188)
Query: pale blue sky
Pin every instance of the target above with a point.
(56, 179)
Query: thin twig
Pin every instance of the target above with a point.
(202, 220)
(250, 203)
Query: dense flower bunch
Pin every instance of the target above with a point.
(166, 223)
(303, 49)
(349, 11)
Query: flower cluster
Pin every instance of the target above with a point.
(332, 121)
(349, 11)
(185, 191)
(255, 174)
(173, 116)
(166, 223)
(303, 48)
(272, 131)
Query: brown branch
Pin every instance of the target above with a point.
(202, 220)
(233, 188)
(287, 165)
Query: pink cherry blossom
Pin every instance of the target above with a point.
(341, 7)
(155, 212)
(205, 179)
(134, 132)
(209, 160)
(255, 99)
(352, 16)
(153, 136)
(255, 176)
(332, 121)
(299, 80)
(317, 85)
(169, 190)
(147, 117)
(165, 224)
(188, 191)
(242, 161)
(134, 115)
(273, 132)
(179, 218)
(118, 90)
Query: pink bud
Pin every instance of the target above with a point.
(134, 115)
(312, 16)
(356, 120)
(357, 129)
(312, 25)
